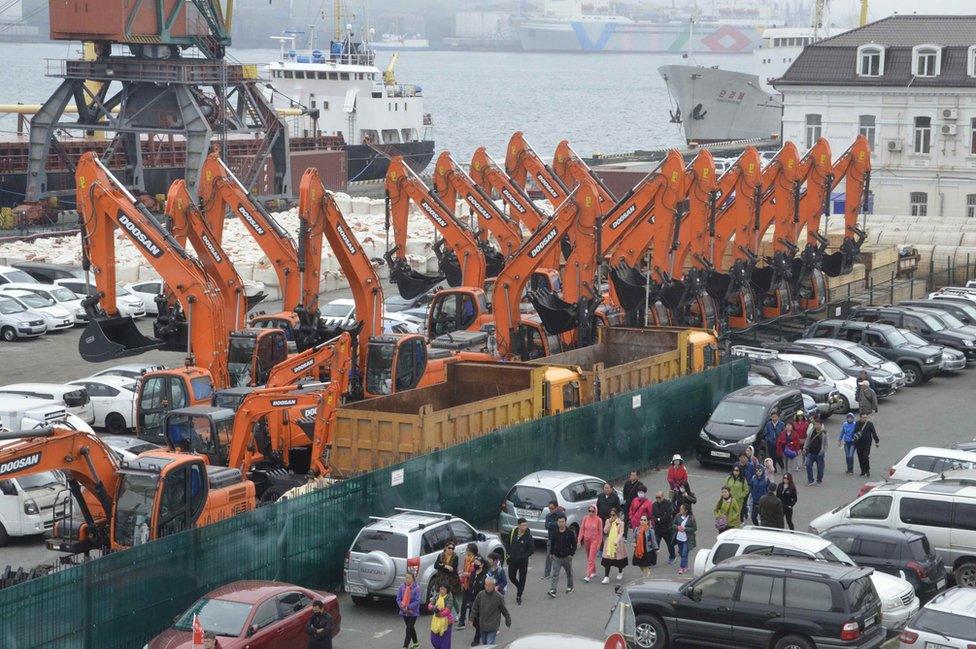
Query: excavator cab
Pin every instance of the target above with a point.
(547, 278)
(165, 390)
(106, 337)
(252, 353)
(532, 341)
(201, 430)
(159, 495)
(395, 363)
(455, 310)
(286, 321)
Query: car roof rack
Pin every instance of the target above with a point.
(405, 510)
(755, 353)
(778, 530)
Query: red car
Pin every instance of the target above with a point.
(251, 614)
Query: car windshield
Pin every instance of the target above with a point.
(866, 356)
(833, 554)
(35, 300)
(738, 413)
(950, 321)
(39, 480)
(968, 309)
(393, 544)
(912, 338)
(334, 310)
(62, 294)
(831, 371)
(19, 276)
(528, 497)
(945, 624)
(896, 337)
(785, 370)
(838, 358)
(216, 615)
(8, 306)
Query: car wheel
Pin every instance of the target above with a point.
(115, 423)
(793, 642)
(4, 537)
(359, 600)
(845, 403)
(965, 574)
(650, 633)
(9, 334)
(913, 374)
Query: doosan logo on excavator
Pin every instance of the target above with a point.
(433, 214)
(350, 246)
(546, 240)
(140, 236)
(283, 403)
(250, 220)
(472, 200)
(211, 247)
(20, 463)
(545, 184)
(304, 366)
(623, 217)
(513, 201)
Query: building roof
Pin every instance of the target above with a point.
(833, 61)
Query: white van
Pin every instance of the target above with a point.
(942, 509)
(74, 398)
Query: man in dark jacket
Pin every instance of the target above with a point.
(631, 487)
(563, 548)
(663, 512)
(551, 516)
(520, 548)
(771, 432)
(607, 501)
(771, 509)
(864, 434)
(487, 611)
(319, 628)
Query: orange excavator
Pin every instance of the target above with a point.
(297, 267)
(735, 216)
(384, 363)
(451, 181)
(465, 261)
(522, 164)
(649, 216)
(157, 494)
(572, 170)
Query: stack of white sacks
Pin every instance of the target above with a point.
(366, 217)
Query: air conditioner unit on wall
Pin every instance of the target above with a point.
(950, 113)
(949, 130)
(894, 146)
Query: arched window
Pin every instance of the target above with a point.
(870, 61)
(926, 60)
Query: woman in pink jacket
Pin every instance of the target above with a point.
(591, 538)
(640, 506)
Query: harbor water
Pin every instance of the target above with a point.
(601, 103)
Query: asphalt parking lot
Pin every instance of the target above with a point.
(932, 414)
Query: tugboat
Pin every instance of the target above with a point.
(342, 92)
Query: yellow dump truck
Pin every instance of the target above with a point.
(478, 397)
(629, 358)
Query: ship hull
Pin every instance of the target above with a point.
(371, 162)
(717, 105)
(597, 36)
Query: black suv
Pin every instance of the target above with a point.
(918, 362)
(963, 309)
(881, 380)
(921, 323)
(739, 418)
(765, 363)
(757, 601)
(903, 553)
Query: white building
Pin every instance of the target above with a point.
(908, 84)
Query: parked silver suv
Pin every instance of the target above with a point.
(385, 549)
(530, 496)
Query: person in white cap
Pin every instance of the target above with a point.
(867, 398)
(677, 473)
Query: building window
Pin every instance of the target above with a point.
(972, 138)
(870, 61)
(918, 203)
(923, 134)
(971, 61)
(866, 126)
(971, 205)
(926, 60)
(814, 129)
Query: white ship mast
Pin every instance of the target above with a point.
(820, 19)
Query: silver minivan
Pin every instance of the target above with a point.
(942, 509)
(530, 497)
(385, 549)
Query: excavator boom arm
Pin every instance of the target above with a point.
(522, 163)
(572, 170)
(738, 190)
(486, 173)
(334, 353)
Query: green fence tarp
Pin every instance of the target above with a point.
(124, 599)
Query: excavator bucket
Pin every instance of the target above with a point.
(762, 279)
(557, 315)
(494, 261)
(106, 338)
(672, 294)
(838, 263)
(254, 300)
(717, 285)
(409, 282)
(631, 286)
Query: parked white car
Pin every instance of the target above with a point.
(74, 397)
(821, 369)
(339, 312)
(396, 323)
(127, 302)
(59, 294)
(128, 447)
(11, 275)
(113, 400)
(17, 322)
(132, 371)
(147, 292)
(928, 461)
(898, 599)
(27, 503)
(55, 317)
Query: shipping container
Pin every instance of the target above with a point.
(331, 165)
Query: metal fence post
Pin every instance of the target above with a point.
(870, 290)
(891, 294)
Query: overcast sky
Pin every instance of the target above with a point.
(879, 8)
